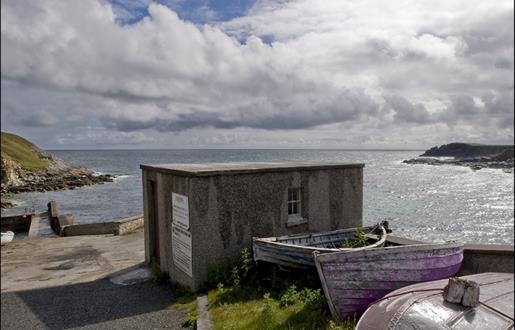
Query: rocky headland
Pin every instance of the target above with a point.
(27, 168)
(475, 156)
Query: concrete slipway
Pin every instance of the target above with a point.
(62, 283)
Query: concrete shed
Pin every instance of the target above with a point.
(200, 215)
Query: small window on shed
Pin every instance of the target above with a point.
(294, 202)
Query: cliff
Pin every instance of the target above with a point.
(25, 167)
(467, 150)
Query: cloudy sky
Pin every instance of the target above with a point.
(257, 74)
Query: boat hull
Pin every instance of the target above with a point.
(7, 237)
(424, 305)
(353, 280)
(297, 251)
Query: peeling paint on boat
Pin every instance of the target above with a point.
(353, 280)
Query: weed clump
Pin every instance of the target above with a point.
(312, 298)
(358, 240)
(242, 272)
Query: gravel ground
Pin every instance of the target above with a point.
(94, 305)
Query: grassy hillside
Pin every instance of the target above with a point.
(23, 152)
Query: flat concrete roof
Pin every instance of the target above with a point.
(209, 169)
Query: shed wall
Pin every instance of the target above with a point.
(226, 211)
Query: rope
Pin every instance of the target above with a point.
(498, 311)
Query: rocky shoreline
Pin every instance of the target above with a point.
(471, 155)
(57, 176)
(42, 182)
(475, 163)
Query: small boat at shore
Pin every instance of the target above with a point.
(7, 236)
(353, 280)
(297, 250)
(423, 306)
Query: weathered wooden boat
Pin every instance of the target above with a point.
(422, 306)
(353, 280)
(297, 250)
(7, 236)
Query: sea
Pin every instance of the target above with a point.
(423, 202)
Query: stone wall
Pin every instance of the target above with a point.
(118, 227)
(62, 221)
(128, 225)
(100, 228)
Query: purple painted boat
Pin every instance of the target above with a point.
(354, 280)
(422, 306)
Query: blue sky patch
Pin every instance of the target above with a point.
(196, 11)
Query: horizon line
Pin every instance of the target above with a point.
(165, 149)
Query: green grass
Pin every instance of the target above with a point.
(23, 152)
(188, 304)
(250, 297)
(248, 308)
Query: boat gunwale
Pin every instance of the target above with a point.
(268, 241)
(327, 257)
(320, 234)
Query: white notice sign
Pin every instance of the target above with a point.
(180, 211)
(181, 247)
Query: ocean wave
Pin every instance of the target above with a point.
(123, 176)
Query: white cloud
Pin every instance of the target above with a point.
(357, 63)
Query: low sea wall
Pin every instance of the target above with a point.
(128, 225)
(481, 258)
(117, 227)
(477, 258)
(99, 228)
(16, 222)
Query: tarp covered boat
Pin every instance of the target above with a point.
(422, 306)
(353, 280)
(297, 250)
